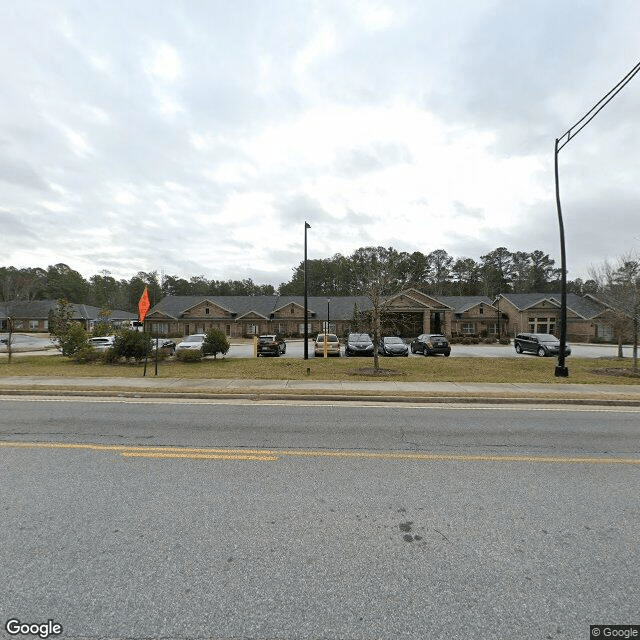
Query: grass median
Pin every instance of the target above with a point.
(435, 369)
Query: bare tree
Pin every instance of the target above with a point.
(618, 285)
(379, 276)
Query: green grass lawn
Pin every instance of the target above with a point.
(438, 369)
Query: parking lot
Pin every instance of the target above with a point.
(36, 343)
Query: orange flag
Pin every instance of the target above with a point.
(144, 305)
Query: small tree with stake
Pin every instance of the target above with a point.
(379, 276)
(215, 342)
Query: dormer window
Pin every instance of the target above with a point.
(207, 310)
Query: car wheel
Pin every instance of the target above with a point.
(446, 355)
(518, 348)
(425, 351)
(541, 352)
(412, 349)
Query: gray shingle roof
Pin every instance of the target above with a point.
(582, 306)
(340, 307)
(39, 309)
(460, 304)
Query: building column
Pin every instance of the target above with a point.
(426, 321)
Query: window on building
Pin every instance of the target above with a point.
(33, 325)
(542, 325)
(227, 329)
(604, 331)
(492, 328)
(468, 328)
(161, 328)
(206, 311)
(253, 329)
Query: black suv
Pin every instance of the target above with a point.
(271, 345)
(431, 344)
(358, 344)
(542, 344)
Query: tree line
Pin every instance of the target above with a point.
(436, 273)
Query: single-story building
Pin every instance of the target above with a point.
(587, 317)
(34, 315)
(407, 314)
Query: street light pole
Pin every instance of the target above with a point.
(306, 311)
(561, 370)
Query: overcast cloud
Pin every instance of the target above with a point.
(195, 138)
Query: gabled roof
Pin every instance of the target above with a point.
(340, 307)
(585, 307)
(253, 312)
(211, 302)
(40, 309)
(421, 300)
(460, 304)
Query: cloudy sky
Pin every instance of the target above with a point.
(196, 137)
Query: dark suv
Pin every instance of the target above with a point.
(542, 344)
(358, 344)
(431, 344)
(271, 345)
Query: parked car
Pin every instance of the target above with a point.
(333, 345)
(431, 344)
(542, 344)
(393, 346)
(358, 344)
(102, 343)
(194, 341)
(271, 345)
(164, 345)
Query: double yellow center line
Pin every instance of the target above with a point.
(272, 455)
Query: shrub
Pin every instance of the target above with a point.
(102, 328)
(505, 340)
(132, 344)
(189, 355)
(86, 353)
(72, 340)
(67, 334)
(215, 342)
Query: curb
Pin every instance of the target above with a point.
(307, 397)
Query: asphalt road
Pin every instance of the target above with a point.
(166, 519)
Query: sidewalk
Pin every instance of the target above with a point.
(323, 390)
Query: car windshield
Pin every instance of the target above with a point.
(194, 339)
(546, 338)
(267, 338)
(331, 337)
(393, 341)
(359, 337)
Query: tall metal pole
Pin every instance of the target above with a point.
(561, 370)
(565, 138)
(306, 311)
